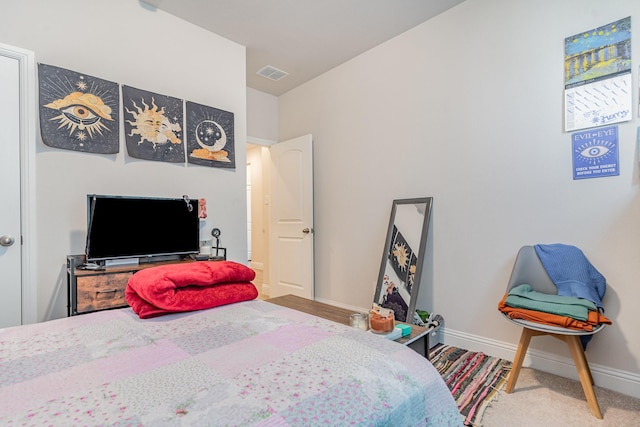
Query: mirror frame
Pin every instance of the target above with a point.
(381, 287)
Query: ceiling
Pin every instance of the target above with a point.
(304, 38)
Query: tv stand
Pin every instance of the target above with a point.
(102, 288)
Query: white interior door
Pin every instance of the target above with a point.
(291, 224)
(10, 217)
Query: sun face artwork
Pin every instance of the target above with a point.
(399, 279)
(402, 259)
(209, 136)
(77, 111)
(153, 125)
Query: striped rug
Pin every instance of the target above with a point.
(473, 378)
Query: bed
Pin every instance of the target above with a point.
(250, 363)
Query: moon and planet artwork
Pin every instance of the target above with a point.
(78, 112)
(210, 136)
(81, 113)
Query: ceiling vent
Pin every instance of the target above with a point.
(272, 73)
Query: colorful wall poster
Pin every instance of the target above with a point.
(210, 136)
(77, 111)
(597, 68)
(595, 153)
(153, 125)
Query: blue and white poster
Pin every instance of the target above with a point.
(595, 153)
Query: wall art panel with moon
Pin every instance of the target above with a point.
(210, 136)
(77, 111)
(153, 125)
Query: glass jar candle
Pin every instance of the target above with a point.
(381, 320)
(359, 320)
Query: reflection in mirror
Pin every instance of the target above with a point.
(403, 255)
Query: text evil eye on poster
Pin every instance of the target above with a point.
(595, 153)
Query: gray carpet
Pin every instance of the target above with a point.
(542, 399)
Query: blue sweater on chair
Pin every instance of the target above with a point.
(572, 273)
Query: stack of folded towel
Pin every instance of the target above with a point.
(522, 302)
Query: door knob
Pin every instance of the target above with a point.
(307, 230)
(6, 240)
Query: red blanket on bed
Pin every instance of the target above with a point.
(171, 288)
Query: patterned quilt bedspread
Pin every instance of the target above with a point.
(246, 364)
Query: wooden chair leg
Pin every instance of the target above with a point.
(584, 359)
(584, 373)
(525, 338)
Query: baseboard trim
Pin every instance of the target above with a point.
(266, 289)
(603, 376)
(256, 265)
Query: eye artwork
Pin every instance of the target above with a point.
(153, 125)
(595, 153)
(209, 136)
(594, 150)
(77, 111)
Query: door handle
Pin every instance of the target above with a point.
(307, 230)
(6, 240)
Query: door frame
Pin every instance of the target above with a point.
(28, 123)
(263, 265)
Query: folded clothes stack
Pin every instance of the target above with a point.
(522, 302)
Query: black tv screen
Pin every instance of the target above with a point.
(137, 227)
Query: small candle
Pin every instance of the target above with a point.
(382, 319)
(359, 320)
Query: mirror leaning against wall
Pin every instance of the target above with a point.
(403, 256)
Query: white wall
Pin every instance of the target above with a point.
(467, 108)
(262, 117)
(126, 42)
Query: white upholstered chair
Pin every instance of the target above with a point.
(529, 269)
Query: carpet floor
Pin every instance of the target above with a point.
(544, 399)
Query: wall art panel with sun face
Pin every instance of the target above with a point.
(210, 136)
(77, 111)
(153, 125)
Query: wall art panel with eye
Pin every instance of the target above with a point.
(77, 111)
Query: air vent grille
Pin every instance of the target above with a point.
(272, 73)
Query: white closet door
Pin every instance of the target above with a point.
(10, 229)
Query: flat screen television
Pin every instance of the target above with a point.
(121, 227)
